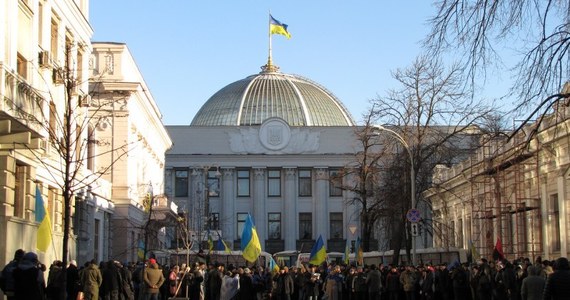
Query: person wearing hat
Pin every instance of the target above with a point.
(246, 290)
(72, 277)
(557, 286)
(153, 279)
(7, 275)
(29, 278)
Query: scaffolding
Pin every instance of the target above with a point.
(504, 204)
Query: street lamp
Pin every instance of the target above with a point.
(412, 176)
(204, 187)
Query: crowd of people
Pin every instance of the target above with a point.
(24, 278)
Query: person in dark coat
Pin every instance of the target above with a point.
(285, 284)
(112, 282)
(558, 283)
(29, 279)
(7, 276)
(374, 283)
(427, 283)
(460, 282)
(533, 285)
(72, 277)
(359, 288)
(54, 283)
(246, 290)
(215, 282)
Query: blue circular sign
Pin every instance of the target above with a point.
(413, 215)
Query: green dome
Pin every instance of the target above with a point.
(252, 100)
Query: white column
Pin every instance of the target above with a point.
(258, 210)
(545, 221)
(227, 211)
(289, 216)
(321, 203)
(561, 186)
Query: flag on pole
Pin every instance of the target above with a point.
(474, 254)
(498, 251)
(273, 267)
(42, 217)
(318, 253)
(140, 250)
(276, 27)
(346, 255)
(359, 253)
(210, 242)
(250, 245)
(222, 246)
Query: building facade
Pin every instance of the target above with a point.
(271, 145)
(130, 141)
(44, 50)
(511, 190)
(49, 81)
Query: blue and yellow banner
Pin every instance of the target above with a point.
(42, 216)
(276, 27)
(318, 253)
(222, 246)
(250, 245)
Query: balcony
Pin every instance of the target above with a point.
(21, 113)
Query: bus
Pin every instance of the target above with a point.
(234, 258)
(423, 256)
(291, 258)
(432, 256)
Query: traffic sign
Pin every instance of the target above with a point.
(413, 215)
(415, 229)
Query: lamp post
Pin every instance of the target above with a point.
(412, 176)
(204, 187)
(149, 198)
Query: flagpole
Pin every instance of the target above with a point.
(269, 61)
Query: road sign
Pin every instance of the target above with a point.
(415, 229)
(352, 228)
(413, 215)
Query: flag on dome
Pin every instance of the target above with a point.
(318, 253)
(250, 245)
(276, 27)
(42, 216)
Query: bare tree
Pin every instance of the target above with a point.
(434, 117)
(63, 120)
(481, 31)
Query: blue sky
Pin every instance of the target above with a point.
(187, 50)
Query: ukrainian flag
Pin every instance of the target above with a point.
(346, 255)
(359, 253)
(222, 246)
(140, 250)
(276, 27)
(250, 245)
(273, 267)
(318, 253)
(42, 217)
(210, 242)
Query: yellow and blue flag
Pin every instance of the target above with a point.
(359, 253)
(250, 245)
(346, 255)
(42, 216)
(474, 254)
(276, 27)
(210, 242)
(318, 253)
(273, 267)
(140, 251)
(222, 246)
